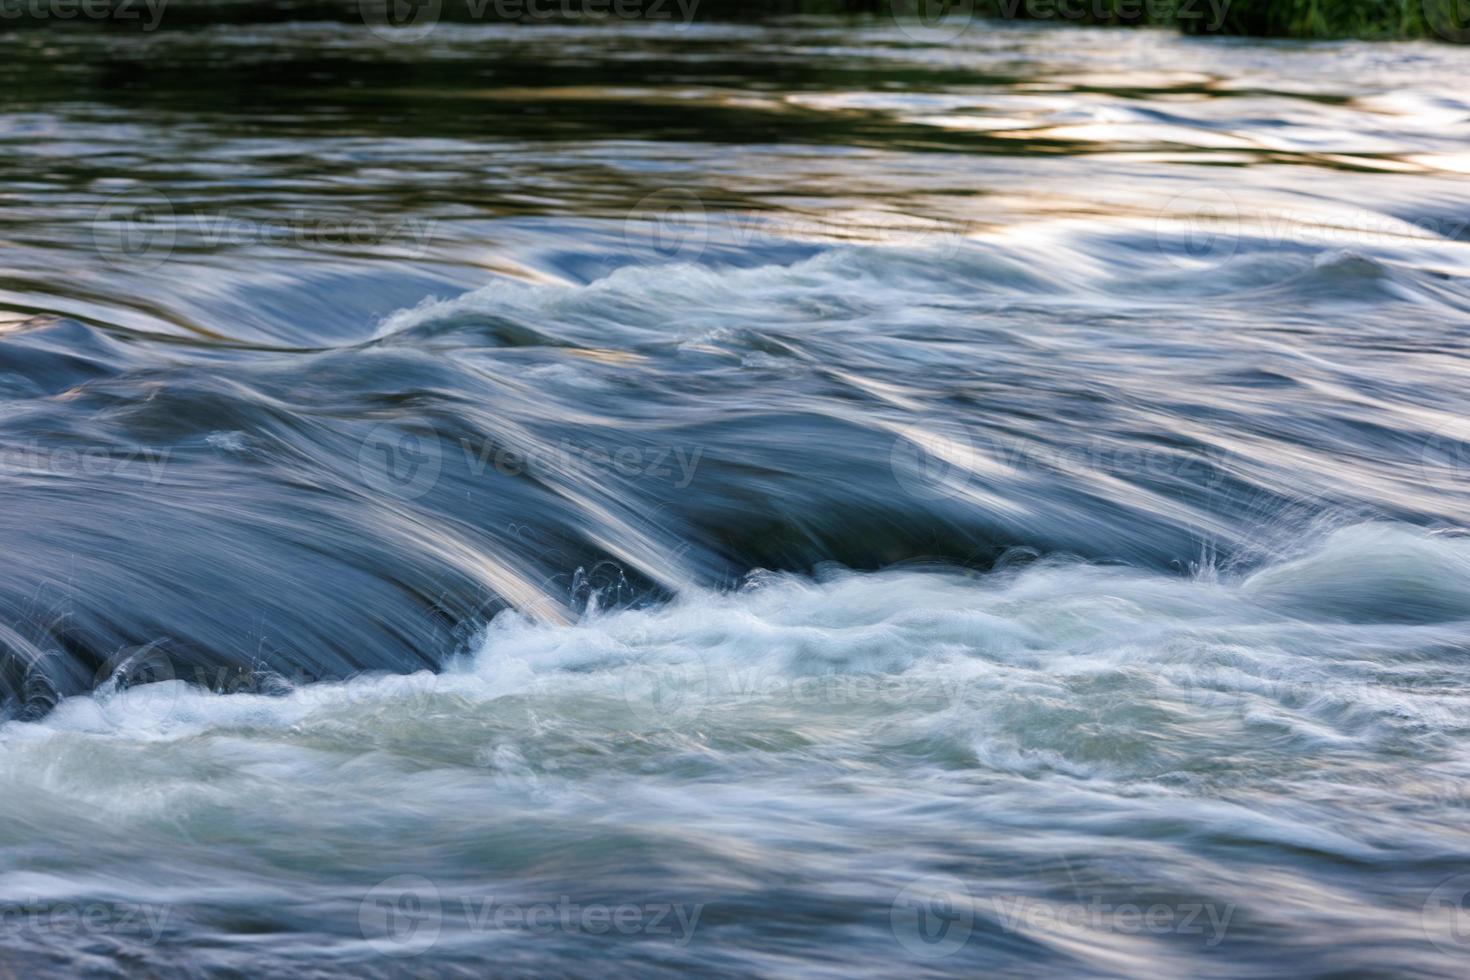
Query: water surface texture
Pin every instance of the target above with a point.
(810, 499)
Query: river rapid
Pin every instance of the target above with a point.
(821, 498)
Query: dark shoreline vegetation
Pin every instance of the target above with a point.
(1443, 20)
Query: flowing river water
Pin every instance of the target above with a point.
(819, 498)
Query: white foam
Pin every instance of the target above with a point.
(1330, 644)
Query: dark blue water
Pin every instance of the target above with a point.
(816, 499)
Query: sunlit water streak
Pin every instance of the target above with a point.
(815, 485)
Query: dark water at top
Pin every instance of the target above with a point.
(1142, 358)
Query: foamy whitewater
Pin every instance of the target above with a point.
(822, 500)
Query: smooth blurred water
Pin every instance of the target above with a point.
(821, 498)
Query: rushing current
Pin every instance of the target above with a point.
(822, 498)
